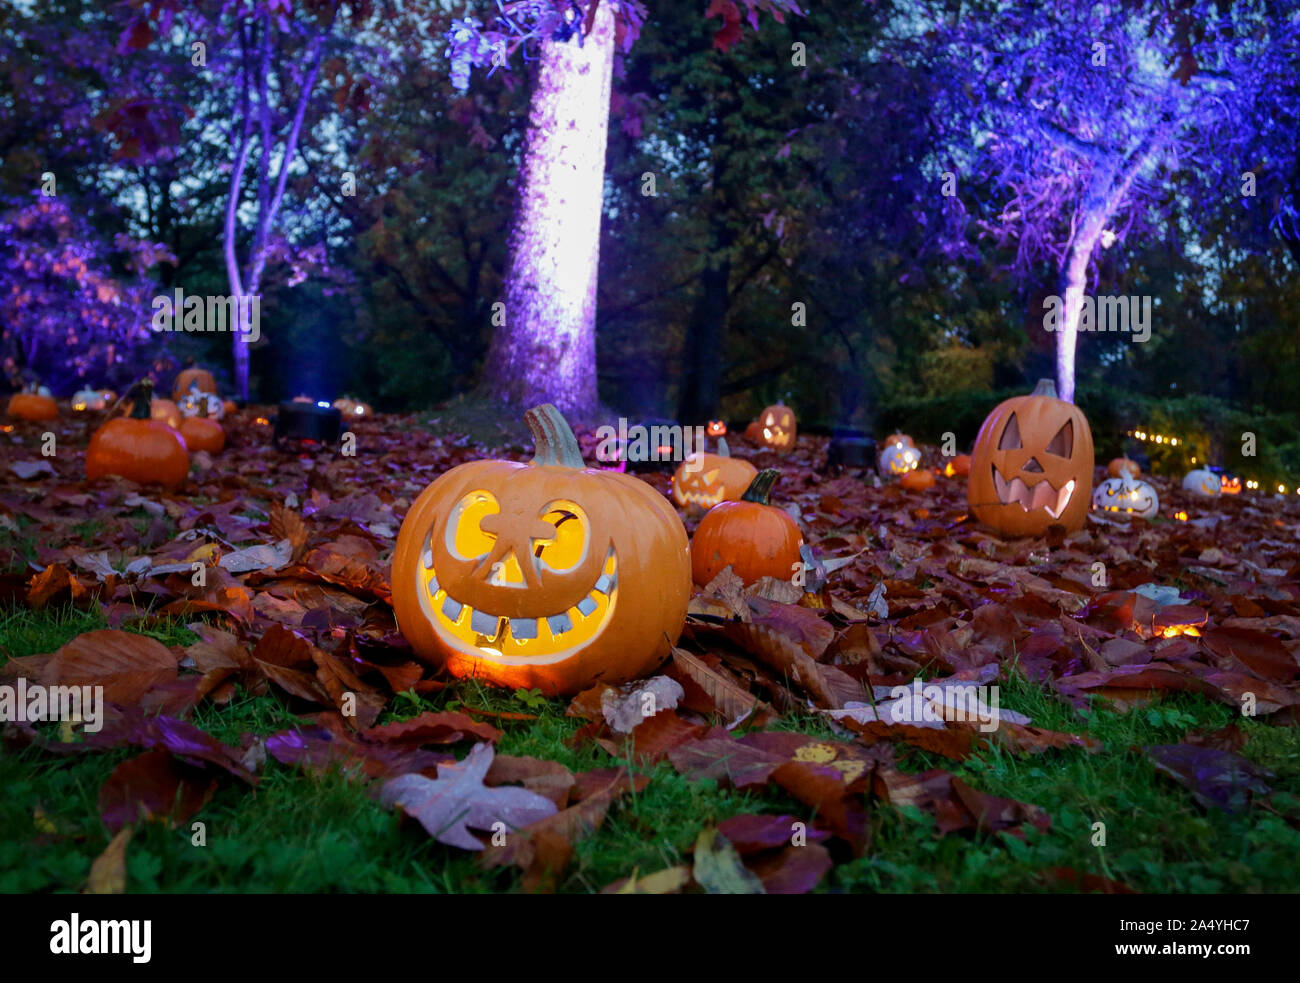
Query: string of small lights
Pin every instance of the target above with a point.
(1156, 438)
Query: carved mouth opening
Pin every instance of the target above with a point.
(1043, 495)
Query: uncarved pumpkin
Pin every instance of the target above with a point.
(957, 467)
(139, 448)
(160, 409)
(918, 480)
(33, 407)
(203, 433)
(703, 480)
(754, 538)
(545, 575)
(1032, 465)
(1121, 466)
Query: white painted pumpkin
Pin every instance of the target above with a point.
(192, 403)
(1127, 496)
(899, 458)
(1202, 482)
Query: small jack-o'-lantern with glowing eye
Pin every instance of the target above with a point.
(196, 402)
(1032, 465)
(1126, 496)
(899, 456)
(84, 400)
(703, 480)
(353, 409)
(775, 428)
(543, 575)
(1229, 484)
(716, 428)
(1202, 482)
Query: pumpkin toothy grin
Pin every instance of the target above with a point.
(533, 641)
(699, 498)
(1043, 495)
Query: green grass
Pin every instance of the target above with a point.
(297, 832)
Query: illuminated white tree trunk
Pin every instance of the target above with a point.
(1074, 281)
(545, 351)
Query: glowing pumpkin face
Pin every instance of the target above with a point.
(546, 574)
(1032, 465)
(1127, 496)
(353, 409)
(188, 379)
(1229, 484)
(1202, 482)
(88, 399)
(703, 480)
(899, 458)
(199, 403)
(775, 428)
(716, 428)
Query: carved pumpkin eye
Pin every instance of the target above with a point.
(711, 476)
(569, 546)
(466, 539)
(770, 421)
(1010, 436)
(1062, 444)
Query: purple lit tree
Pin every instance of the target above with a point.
(544, 346)
(1095, 122)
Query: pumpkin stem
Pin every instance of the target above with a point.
(1045, 387)
(723, 449)
(142, 398)
(761, 486)
(553, 438)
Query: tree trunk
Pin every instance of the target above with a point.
(546, 349)
(702, 349)
(1074, 281)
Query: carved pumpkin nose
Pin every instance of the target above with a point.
(1033, 466)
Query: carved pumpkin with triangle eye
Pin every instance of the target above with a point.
(1032, 465)
(703, 480)
(1127, 496)
(775, 428)
(543, 575)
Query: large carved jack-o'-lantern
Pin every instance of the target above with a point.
(1032, 465)
(703, 480)
(775, 428)
(547, 574)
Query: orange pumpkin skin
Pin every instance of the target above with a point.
(145, 451)
(775, 427)
(753, 538)
(703, 480)
(193, 377)
(1032, 465)
(918, 480)
(544, 575)
(1120, 465)
(228, 407)
(161, 409)
(31, 406)
(958, 467)
(898, 438)
(203, 433)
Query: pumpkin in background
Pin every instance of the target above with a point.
(85, 400)
(191, 377)
(1229, 484)
(1127, 496)
(201, 431)
(703, 480)
(751, 536)
(546, 575)
(775, 428)
(353, 408)
(197, 402)
(138, 447)
(229, 406)
(159, 409)
(898, 438)
(33, 406)
(899, 456)
(957, 467)
(1203, 482)
(716, 428)
(1121, 466)
(1032, 465)
(918, 480)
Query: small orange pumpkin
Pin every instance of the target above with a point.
(229, 407)
(898, 438)
(547, 574)
(775, 428)
(1032, 465)
(33, 406)
(190, 378)
(754, 538)
(202, 433)
(142, 449)
(353, 409)
(958, 466)
(918, 480)
(716, 428)
(703, 480)
(1121, 466)
(159, 409)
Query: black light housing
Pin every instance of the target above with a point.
(850, 449)
(299, 422)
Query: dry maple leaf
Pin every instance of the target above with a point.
(450, 805)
